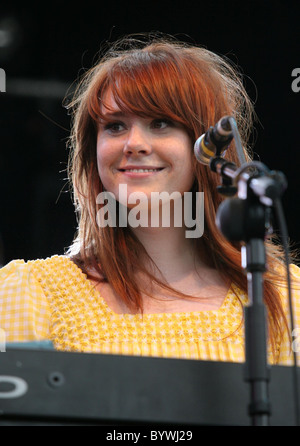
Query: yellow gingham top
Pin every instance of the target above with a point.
(53, 299)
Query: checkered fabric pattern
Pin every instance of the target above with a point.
(52, 299)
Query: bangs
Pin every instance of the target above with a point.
(146, 84)
(165, 81)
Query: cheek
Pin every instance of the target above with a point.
(103, 162)
(187, 164)
(188, 180)
(188, 171)
(101, 158)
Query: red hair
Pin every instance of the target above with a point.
(187, 84)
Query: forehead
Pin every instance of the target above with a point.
(116, 103)
(108, 103)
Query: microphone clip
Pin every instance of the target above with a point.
(220, 142)
(226, 188)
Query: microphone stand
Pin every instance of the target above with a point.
(247, 219)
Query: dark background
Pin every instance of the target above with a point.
(43, 49)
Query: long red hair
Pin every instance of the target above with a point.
(187, 84)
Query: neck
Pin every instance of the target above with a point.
(171, 251)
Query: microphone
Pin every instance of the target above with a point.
(214, 142)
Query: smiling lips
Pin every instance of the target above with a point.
(140, 169)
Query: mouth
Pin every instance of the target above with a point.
(141, 169)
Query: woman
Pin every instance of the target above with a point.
(147, 289)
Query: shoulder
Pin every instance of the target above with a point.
(290, 298)
(281, 283)
(295, 289)
(29, 283)
(288, 304)
(55, 266)
(19, 269)
(15, 277)
(295, 273)
(57, 274)
(12, 268)
(24, 308)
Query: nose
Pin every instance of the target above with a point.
(138, 142)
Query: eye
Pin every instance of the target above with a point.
(114, 127)
(161, 123)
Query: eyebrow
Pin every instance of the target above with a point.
(115, 114)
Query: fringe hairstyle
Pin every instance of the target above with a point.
(192, 86)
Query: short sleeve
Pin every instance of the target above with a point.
(295, 279)
(295, 285)
(286, 350)
(24, 310)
